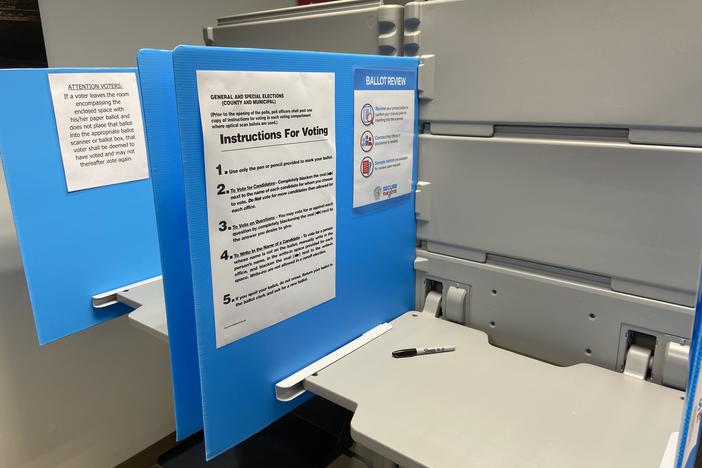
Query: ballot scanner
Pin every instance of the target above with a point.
(566, 158)
(558, 223)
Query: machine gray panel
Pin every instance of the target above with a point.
(612, 63)
(484, 407)
(631, 213)
(558, 320)
(361, 27)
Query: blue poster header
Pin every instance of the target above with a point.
(384, 79)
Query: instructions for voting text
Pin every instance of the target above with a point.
(270, 171)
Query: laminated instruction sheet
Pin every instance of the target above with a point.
(270, 165)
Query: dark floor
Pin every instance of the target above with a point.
(21, 38)
(312, 436)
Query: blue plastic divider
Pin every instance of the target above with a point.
(691, 420)
(374, 254)
(157, 88)
(73, 245)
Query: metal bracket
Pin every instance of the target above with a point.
(111, 297)
(293, 386)
(147, 300)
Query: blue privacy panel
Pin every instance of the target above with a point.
(161, 126)
(374, 255)
(73, 245)
(692, 417)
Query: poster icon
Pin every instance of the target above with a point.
(367, 141)
(367, 166)
(367, 114)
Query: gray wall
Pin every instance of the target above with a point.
(96, 398)
(90, 400)
(99, 33)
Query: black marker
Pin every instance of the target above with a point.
(409, 352)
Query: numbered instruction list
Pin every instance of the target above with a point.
(100, 130)
(270, 162)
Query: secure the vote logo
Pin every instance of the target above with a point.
(367, 166)
(389, 190)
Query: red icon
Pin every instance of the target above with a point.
(367, 166)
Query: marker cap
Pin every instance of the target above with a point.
(400, 353)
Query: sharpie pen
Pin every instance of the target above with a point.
(409, 352)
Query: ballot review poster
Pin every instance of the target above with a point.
(384, 116)
(270, 169)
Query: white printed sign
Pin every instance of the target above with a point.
(383, 135)
(270, 171)
(100, 130)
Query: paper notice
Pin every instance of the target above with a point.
(100, 130)
(383, 134)
(270, 171)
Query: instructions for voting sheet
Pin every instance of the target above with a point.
(100, 130)
(270, 180)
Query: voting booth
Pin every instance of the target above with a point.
(528, 195)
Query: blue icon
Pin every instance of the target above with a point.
(367, 141)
